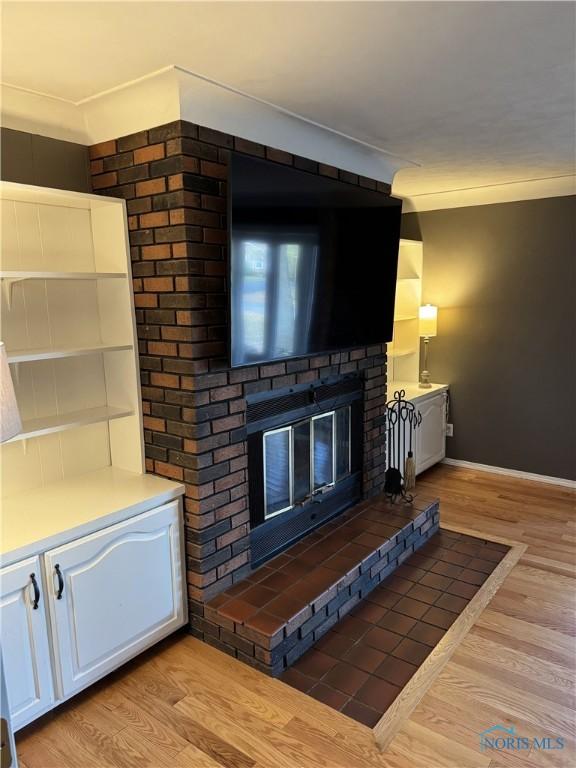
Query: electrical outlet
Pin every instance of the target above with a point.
(449, 430)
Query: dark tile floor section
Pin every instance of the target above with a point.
(362, 664)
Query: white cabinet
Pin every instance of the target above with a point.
(25, 647)
(75, 613)
(113, 593)
(429, 439)
(431, 435)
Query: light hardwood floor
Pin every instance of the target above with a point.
(185, 705)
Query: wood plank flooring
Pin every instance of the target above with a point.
(186, 705)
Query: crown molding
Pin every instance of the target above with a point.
(174, 93)
(227, 109)
(135, 106)
(515, 191)
(24, 110)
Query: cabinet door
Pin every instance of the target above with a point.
(431, 435)
(114, 593)
(24, 635)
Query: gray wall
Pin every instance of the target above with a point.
(504, 279)
(31, 159)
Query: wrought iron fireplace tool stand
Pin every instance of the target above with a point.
(402, 420)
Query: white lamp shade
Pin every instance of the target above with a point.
(10, 424)
(428, 316)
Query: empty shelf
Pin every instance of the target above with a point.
(28, 355)
(46, 425)
(31, 275)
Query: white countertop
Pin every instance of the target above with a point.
(413, 391)
(48, 517)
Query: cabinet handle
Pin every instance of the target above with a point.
(60, 582)
(36, 591)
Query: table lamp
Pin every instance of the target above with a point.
(428, 325)
(10, 424)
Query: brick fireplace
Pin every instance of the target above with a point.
(173, 179)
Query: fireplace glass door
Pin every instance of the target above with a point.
(323, 454)
(304, 459)
(277, 471)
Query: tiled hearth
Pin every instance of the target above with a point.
(360, 666)
(280, 610)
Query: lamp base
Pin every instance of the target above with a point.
(424, 382)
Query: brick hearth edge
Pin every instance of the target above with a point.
(274, 616)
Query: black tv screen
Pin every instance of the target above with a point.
(312, 263)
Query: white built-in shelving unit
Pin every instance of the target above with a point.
(67, 320)
(404, 350)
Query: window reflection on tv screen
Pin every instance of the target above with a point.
(313, 263)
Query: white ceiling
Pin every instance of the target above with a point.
(477, 93)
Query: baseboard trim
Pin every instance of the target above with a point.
(512, 472)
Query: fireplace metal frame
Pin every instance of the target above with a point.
(313, 490)
(314, 419)
(288, 429)
(270, 535)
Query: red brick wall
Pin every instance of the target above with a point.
(173, 179)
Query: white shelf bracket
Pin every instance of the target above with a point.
(7, 286)
(16, 373)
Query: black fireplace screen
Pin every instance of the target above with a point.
(304, 460)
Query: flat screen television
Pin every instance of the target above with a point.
(312, 263)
